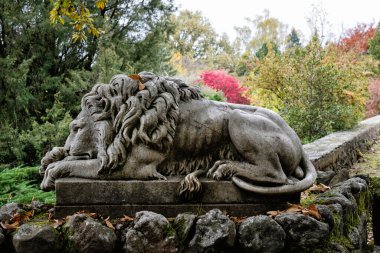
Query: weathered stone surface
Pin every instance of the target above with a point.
(213, 231)
(151, 233)
(116, 198)
(2, 237)
(155, 192)
(170, 210)
(8, 210)
(84, 234)
(358, 235)
(342, 148)
(327, 198)
(341, 176)
(332, 215)
(261, 234)
(352, 186)
(183, 224)
(324, 177)
(337, 248)
(36, 239)
(303, 231)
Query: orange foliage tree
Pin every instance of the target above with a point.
(356, 39)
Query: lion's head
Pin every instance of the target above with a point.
(128, 112)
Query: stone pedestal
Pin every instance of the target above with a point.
(116, 198)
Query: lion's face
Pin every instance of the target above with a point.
(82, 141)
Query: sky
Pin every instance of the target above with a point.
(340, 14)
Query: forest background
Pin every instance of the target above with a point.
(53, 52)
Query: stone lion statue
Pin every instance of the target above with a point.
(151, 127)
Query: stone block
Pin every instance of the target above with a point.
(116, 198)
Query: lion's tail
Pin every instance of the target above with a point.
(305, 183)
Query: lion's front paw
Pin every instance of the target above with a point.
(222, 170)
(53, 172)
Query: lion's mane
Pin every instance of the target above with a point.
(128, 112)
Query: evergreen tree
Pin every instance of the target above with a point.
(374, 44)
(293, 40)
(42, 69)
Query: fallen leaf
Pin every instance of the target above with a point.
(135, 77)
(108, 223)
(317, 188)
(57, 223)
(236, 219)
(293, 209)
(273, 213)
(13, 225)
(313, 211)
(126, 218)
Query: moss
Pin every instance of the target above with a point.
(342, 240)
(169, 231)
(309, 200)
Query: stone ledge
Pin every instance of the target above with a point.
(341, 149)
(78, 191)
(115, 198)
(171, 210)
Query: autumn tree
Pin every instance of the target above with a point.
(357, 38)
(229, 85)
(317, 90)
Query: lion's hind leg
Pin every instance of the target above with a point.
(225, 170)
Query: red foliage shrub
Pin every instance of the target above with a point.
(373, 103)
(229, 85)
(357, 38)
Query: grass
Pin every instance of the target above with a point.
(22, 185)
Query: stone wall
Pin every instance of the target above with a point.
(341, 228)
(341, 149)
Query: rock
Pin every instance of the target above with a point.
(336, 248)
(213, 231)
(341, 176)
(8, 210)
(183, 224)
(358, 235)
(332, 215)
(352, 186)
(330, 197)
(261, 234)
(303, 231)
(84, 234)
(35, 238)
(355, 238)
(36, 205)
(324, 177)
(2, 237)
(151, 233)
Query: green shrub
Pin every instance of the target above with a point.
(21, 185)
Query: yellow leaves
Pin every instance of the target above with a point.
(101, 4)
(79, 15)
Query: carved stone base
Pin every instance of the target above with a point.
(116, 198)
